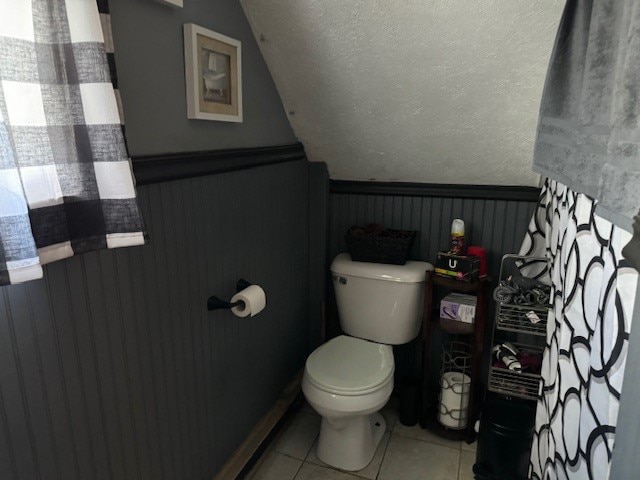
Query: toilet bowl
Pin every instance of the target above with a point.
(350, 378)
(347, 381)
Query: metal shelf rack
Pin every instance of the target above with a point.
(514, 321)
(516, 384)
(513, 318)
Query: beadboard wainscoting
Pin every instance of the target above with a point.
(111, 367)
(495, 217)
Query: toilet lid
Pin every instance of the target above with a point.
(350, 365)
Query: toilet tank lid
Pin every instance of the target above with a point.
(410, 272)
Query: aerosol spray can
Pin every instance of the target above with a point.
(457, 237)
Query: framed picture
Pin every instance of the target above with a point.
(213, 71)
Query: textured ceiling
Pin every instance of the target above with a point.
(406, 90)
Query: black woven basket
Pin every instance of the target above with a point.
(377, 244)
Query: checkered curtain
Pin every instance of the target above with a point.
(66, 184)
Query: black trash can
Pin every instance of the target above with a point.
(504, 440)
(409, 389)
(481, 473)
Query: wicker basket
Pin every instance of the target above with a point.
(377, 244)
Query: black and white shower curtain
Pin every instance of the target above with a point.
(66, 184)
(593, 294)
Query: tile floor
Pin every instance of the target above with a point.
(405, 453)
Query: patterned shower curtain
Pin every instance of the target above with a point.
(593, 294)
(66, 184)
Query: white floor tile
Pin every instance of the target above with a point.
(276, 466)
(469, 447)
(298, 436)
(467, 459)
(410, 459)
(370, 471)
(309, 471)
(425, 435)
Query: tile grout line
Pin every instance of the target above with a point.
(304, 460)
(298, 471)
(391, 432)
(384, 454)
(271, 449)
(458, 448)
(346, 472)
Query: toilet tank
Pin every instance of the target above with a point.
(378, 302)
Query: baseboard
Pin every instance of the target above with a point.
(249, 452)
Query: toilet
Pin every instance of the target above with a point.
(349, 379)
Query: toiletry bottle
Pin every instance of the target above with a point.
(457, 237)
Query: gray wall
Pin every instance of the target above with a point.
(150, 60)
(318, 241)
(112, 368)
(498, 225)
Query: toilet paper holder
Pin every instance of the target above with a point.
(215, 303)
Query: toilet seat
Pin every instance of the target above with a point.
(350, 366)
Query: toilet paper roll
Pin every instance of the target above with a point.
(253, 300)
(454, 400)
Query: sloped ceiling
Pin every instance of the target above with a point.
(436, 91)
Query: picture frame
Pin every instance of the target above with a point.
(173, 3)
(213, 73)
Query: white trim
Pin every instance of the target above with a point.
(53, 253)
(172, 3)
(21, 271)
(191, 31)
(118, 240)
